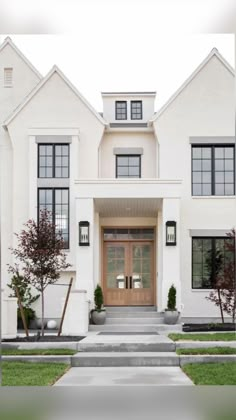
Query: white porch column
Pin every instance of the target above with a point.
(85, 254)
(170, 254)
(8, 316)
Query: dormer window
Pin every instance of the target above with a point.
(8, 73)
(121, 110)
(136, 110)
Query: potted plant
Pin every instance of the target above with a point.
(171, 314)
(99, 313)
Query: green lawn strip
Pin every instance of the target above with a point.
(204, 337)
(211, 373)
(208, 350)
(38, 352)
(31, 374)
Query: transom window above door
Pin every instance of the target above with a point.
(213, 170)
(128, 166)
(53, 160)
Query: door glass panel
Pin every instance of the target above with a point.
(115, 266)
(142, 266)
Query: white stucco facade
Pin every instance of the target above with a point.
(49, 110)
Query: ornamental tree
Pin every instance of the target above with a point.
(223, 294)
(40, 256)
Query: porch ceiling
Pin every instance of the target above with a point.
(127, 207)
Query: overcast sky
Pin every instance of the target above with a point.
(122, 58)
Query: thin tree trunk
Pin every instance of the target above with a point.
(42, 326)
(221, 310)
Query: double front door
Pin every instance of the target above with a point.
(128, 273)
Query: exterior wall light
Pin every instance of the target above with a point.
(170, 233)
(84, 233)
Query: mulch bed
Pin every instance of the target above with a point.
(228, 326)
(46, 338)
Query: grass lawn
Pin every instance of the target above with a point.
(204, 337)
(38, 352)
(209, 350)
(211, 373)
(31, 374)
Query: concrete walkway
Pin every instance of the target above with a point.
(124, 376)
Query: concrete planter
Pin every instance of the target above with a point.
(98, 318)
(171, 317)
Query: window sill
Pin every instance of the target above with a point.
(202, 290)
(214, 197)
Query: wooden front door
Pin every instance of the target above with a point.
(128, 273)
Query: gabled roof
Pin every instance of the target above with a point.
(28, 98)
(8, 41)
(214, 52)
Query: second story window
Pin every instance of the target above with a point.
(136, 110)
(128, 166)
(121, 110)
(53, 160)
(213, 170)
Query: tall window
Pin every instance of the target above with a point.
(205, 260)
(128, 166)
(53, 160)
(56, 200)
(136, 110)
(121, 110)
(213, 170)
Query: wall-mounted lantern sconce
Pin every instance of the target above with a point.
(84, 233)
(170, 233)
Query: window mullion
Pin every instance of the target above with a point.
(213, 170)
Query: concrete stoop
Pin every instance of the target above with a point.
(136, 319)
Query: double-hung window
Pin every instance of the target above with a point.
(121, 110)
(213, 170)
(128, 166)
(56, 200)
(210, 257)
(136, 110)
(53, 160)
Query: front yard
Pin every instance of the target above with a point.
(211, 373)
(31, 374)
(204, 337)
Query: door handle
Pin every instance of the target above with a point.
(130, 282)
(126, 282)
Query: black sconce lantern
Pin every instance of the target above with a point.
(170, 233)
(84, 233)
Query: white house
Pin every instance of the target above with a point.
(156, 190)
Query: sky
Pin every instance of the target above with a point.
(128, 59)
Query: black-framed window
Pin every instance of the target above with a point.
(128, 166)
(213, 170)
(209, 257)
(56, 200)
(53, 160)
(136, 110)
(121, 110)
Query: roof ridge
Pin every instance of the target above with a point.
(8, 41)
(213, 52)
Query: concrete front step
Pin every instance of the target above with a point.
(134, 314)
(137, 327)
(112, 309)
(126, 347)
(139, 321)
(103, 359)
